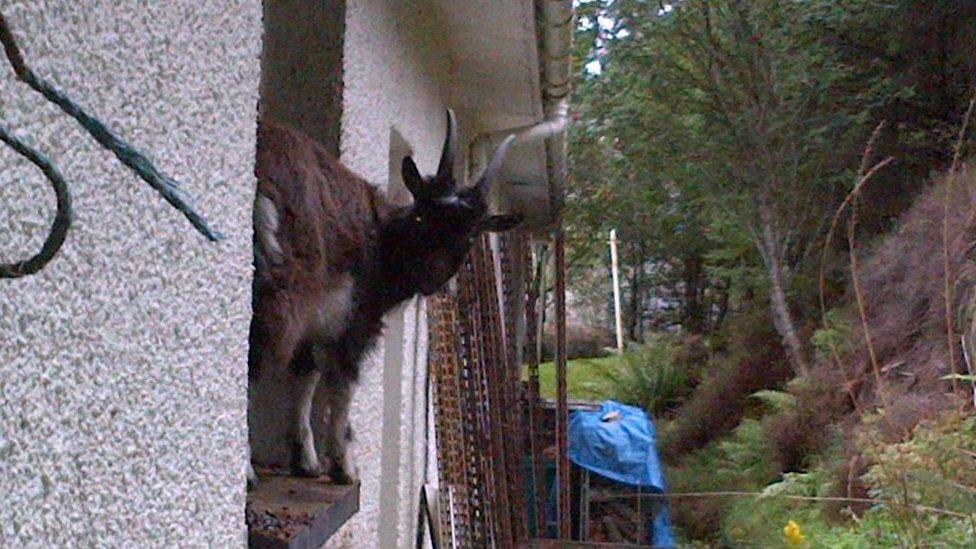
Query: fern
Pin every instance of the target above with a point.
(647, 377)
(778, 401)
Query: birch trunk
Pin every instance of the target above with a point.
(782, 317)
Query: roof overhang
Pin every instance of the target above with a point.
(498, 85)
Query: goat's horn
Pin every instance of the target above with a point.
(446, 168)
(495, 165)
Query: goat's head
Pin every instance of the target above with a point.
(433, 235)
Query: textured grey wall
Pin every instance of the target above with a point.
(123, 364)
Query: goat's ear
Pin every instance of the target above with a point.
(412, 178)
(502, 223)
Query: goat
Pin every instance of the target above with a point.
(332, 255)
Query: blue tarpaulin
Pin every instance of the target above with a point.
(619, 442)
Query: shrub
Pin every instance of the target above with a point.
(755, 361)
(797, 432)
(738, 462)
(648, 376)
(903, 287)
(933, 468)
(699, 519)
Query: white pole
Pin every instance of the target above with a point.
(616, 291)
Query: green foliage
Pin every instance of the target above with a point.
(739, 462)
(833, 335)
(709, 113)
(778, 401)
(924, 487)
(717, 138)
(934, 468)
(744, 452)
(759, 520)
(647, 376)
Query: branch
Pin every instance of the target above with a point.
(862, 177)
(856, 282)
(946, 263)
(165, 185)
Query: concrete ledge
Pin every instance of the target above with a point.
(297, 513)
(555, 544)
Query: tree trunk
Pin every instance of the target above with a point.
(636, 298)
(694, 310)
(723, 308)
(782, 317)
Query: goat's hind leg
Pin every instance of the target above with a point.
(305, 379)
(338, 432)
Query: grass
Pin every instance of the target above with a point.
(645, 376)
(585, 378)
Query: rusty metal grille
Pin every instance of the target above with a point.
(478, 407)
(511, 258)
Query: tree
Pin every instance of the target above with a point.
(736, 114)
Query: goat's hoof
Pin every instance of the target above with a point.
(341, 474)
(308, 471)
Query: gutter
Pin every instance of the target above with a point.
(556, 24)
(555, 52)
(555, 55)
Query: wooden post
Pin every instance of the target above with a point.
(562, 396)
(618, 317)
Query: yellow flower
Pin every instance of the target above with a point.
(792, 533)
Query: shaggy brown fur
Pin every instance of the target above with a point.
(305, 183)
(332, 256)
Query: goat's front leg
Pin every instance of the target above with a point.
(305, 461)
(250, 474)
(338, 433)
(252, 477)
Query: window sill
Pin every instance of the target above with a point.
(289, 512)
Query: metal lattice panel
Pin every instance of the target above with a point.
(477, 399)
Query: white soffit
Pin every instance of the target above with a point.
(494, 81)
(495, 69)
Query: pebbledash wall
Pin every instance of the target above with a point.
(123, 363)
